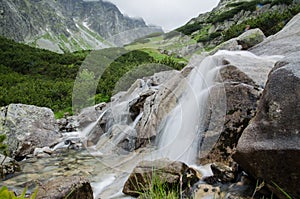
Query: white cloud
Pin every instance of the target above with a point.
(169, 14)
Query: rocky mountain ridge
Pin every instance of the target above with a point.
(66, 25)
(210, 28)
(229, 19)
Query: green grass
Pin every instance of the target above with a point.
(158, 189)
(159, 56)
(61, 113)
(282, 191)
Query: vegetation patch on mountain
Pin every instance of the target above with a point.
(39, 77)
(230, 19)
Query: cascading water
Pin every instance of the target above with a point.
(89, 128)
(179, 133)
(181, 130)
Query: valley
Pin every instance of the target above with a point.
(95, 104)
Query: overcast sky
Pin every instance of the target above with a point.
(168, 14)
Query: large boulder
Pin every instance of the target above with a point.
(72, 187)
(245, 41)
(250, 38)
(269, 148)
(218, 144)
(163, 171)
(241, 79)
(241, 102)
(284, 42)
(26, 128)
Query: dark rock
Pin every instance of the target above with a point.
(166, 172)
(230, 73)
(72, 187)
(224, 173)
(218, 144)
(8, 167)
(230, 182)
(87, 117)
(67, 124)
(269, 147)
(27, 127)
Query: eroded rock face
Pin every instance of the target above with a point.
(241, 96)
(157, 106)
(164, 171)
(72, 187)
(26, 128)
(270, 146)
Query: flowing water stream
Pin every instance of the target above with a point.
(178, 138)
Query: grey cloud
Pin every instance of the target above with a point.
(169, 14)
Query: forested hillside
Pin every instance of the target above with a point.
(43, 78)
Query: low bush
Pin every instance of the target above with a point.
(270, 22)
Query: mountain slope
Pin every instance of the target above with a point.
(226, 21)
(221, 23)
(65, 25)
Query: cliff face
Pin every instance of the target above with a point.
(64, 25)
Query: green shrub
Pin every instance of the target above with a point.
(269, 22)
(246, 6)
(43, 78)
(209, 37)
(7, 194)
(188, 29)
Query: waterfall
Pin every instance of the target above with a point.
(89, 128)
(136, 120)
(181, 130)
(180, 134)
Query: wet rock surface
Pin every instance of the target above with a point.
(73, 187)
(165, 171)
(8, 167)
(220, 139)
(226, 182)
